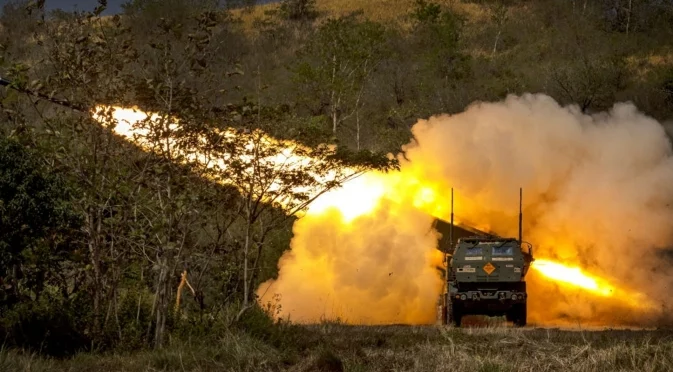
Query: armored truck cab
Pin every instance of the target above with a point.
(485, 276)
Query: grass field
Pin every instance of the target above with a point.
(334, 347)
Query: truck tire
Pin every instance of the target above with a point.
(519, 315)
(453, 314)
(448, 311)
(509, 315)
(457, 316)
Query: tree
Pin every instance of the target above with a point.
(426, 12)
(89, 67)
(37, 225)
(499, 18)
(133, 204)
(298, 10)
(277, 179)
(667, 87)
(438, 61)
(590, 82)
(629, 16)
(172, 60)
(337, 63)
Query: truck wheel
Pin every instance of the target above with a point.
(448, 312)
(519, 315)
(457, 316)
(454, 315)
(509, 315)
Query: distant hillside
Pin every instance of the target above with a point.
(547, 46)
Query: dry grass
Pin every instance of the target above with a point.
(378, 10)
(385, 11)
(333, 347)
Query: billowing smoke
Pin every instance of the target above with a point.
(597, 194)
(374, 270)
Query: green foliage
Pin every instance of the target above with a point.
(336, 64)
(366, 158)
(345, 44)
(293, 185)
(437, 35)
(38, 248)
(298, 10)
(668, 87)
(52, 325)
(128, 330)
(591, 81)
(426, 12)
(37, 226)
(280, 334)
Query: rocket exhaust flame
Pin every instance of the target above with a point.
(366, 252)
(136, 126)
(573, 276)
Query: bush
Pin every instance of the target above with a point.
(281, 334)
(329, 362)
(128, 329)
(49, 326)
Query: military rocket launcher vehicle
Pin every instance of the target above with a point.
(485, 275)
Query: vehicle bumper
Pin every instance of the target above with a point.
(498, 300)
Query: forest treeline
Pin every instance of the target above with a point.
(106, 246)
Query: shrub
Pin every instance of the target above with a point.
(49, 326)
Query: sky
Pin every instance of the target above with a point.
(113, 6)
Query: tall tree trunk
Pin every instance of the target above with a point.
(357, 124)
(140, 294)
(335, 117)
(497, 38)
(357, 118)
(163, 282)
(94, 226)
(628, 17)
(334, 98)
(246, 273)
(246, 260)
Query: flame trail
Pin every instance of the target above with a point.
(573, 276)
(366, 252)
(141, 128)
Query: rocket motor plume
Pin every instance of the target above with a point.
(250, 152)
(597, 197)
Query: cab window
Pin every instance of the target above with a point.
(473, 251)
(503, 251)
